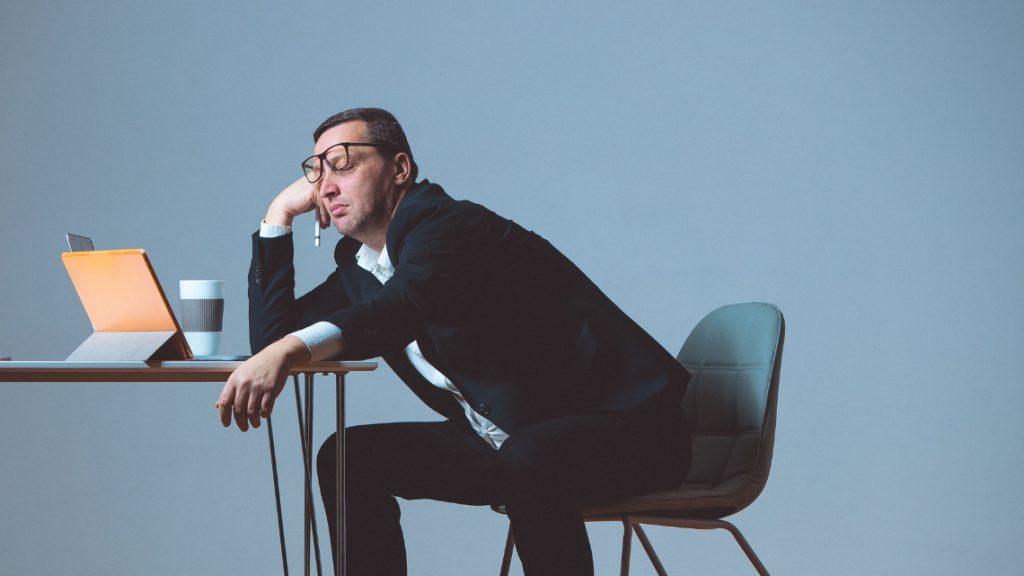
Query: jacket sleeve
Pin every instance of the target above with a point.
(274, 312)
(437, 269)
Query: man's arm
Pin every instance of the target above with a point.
(439, 267)
(273, 310)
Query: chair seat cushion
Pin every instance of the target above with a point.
(694, 500)
(690, 500)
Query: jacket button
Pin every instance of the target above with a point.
(484, 408)
(257, 274)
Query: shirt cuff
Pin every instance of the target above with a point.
(323, 340)
(273, 230)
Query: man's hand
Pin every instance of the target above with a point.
(298, 198)
(251, 389)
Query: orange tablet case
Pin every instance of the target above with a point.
(130, 315)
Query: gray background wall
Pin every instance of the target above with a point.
(858, 164)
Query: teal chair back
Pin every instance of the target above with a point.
(734, 356)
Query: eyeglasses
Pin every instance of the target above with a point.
(336, 158)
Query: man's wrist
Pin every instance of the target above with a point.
(295, 350)
(278, 217)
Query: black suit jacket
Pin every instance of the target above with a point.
(514, 324)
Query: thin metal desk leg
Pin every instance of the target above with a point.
(308, 516)
(277, 496)
(305, 442)
(339, 459)
(309, 473)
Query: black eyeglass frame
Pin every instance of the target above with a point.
(323, 158)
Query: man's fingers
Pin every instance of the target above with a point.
(241, 403)
(252, 409)
(225, 402)
(322, 214)
(267, 405)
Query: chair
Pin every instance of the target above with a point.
(734, 356)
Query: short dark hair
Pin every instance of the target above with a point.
(381, 128)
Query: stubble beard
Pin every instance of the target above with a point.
(363, 226)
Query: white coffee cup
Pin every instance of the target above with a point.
(202, 314)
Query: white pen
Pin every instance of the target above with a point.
(316, 227)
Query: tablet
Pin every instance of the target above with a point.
(120, 293)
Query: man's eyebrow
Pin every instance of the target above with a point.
(315, 153)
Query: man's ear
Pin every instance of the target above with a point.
(403, 168)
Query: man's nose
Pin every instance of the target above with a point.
(327, 188)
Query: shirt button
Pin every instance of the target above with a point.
(484, 408)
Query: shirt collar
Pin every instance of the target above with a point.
(380, 264)
(376, 263)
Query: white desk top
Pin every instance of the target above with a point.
(167, 371)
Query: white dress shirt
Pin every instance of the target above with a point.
(324, 339)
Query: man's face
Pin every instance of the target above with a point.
(358, 196)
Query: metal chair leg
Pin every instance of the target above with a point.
(629, 525)
(699, 524)
(745, 546)
(650, 550)
(510, 544)
(627, 541)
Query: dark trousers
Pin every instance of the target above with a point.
(544, 474)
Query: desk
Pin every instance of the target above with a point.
(213, 371)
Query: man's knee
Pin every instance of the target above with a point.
(529, 473)
(325, 457)
(358, 451)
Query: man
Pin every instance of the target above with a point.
(553, 397)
